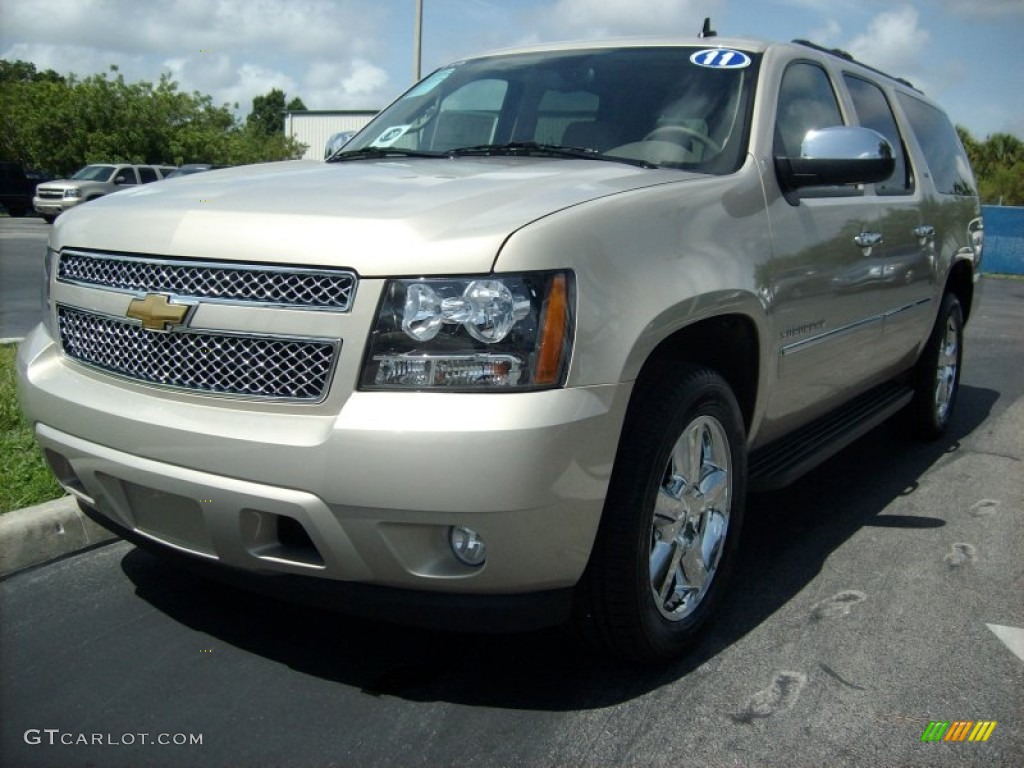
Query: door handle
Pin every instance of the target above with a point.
(925, 232)
(868, 239)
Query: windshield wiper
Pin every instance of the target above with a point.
(370, 153)
(535, 149)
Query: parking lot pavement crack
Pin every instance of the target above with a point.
(836, 676)
(994, 455)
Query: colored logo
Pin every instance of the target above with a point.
(958, 730)
(156, 312)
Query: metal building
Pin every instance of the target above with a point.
(313, 127)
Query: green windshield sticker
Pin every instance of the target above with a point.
(430, 83)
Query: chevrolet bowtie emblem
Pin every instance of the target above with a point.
(156, 312)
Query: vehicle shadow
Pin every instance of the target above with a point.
(788, 537)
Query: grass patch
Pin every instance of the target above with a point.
(25, 479)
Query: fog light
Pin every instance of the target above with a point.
(467, 545)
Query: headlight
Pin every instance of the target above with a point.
(472, 333)
(72, 194)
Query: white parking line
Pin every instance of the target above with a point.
(1012, 637)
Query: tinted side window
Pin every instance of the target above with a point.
(874, 112)
(806, 102)
(147, 175)
(941, 146)
(128, 174)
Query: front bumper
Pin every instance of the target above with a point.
(53, 206)
(367, 495)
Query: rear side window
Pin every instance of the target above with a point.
(941, 146)
(147, 175)
(874, 112)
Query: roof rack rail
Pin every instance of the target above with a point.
(839, 52)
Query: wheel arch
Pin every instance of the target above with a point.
(960, 282)
(728, 344)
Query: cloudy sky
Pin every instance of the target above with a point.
(357, 54)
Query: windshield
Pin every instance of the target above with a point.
(661, 106)
(94, 173)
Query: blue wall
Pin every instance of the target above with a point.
(1004, 240)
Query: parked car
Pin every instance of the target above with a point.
(15, 189)
(189, 168)
(54, 197)
(519, 352)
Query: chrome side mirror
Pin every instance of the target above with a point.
(838, 155)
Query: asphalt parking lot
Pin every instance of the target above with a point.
(22, 244)
(875, 596)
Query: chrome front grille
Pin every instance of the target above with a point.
(201, 361)
(217, 281)
(50, 194)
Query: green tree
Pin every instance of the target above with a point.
(62, 123)
(998, 164)
(267, 115)
(25, 72)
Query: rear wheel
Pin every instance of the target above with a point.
(672, 517)
(937, 376)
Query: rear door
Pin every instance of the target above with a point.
(903, 267)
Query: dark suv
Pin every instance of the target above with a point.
(15, 189)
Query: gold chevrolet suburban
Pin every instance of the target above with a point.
(515, 354)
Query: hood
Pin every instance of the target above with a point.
(58, 182)
(379, 217)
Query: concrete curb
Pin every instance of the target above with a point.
(37, 535)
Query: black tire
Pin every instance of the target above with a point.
(637, 550)
(48, 218)
(937, 375)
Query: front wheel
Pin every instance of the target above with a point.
(672, 517)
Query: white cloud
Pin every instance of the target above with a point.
(827, 34)
(358, 84)
(609, 18)
(254, 80)
(231, 49)
(365, 79)
(894, 43)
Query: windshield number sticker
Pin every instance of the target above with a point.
(720, 58)
(390, 136)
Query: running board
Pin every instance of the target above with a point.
(780, 463)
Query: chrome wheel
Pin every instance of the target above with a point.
(670, 530)
(691, 518)
(945, 371)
